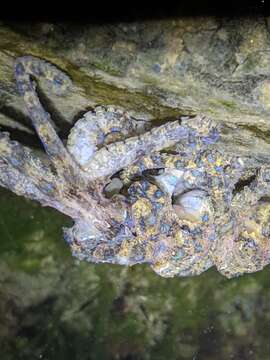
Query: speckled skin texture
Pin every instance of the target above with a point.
(180, 205)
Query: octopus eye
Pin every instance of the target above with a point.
(193, 206)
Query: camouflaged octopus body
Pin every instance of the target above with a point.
(181, 212)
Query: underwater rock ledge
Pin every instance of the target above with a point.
(176, 70)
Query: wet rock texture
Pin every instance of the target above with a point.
(52, 308)
(156, 69)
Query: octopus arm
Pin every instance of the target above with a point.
(14, 180)
(26, 68)
(116, 156)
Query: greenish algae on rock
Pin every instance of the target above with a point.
(53, 308)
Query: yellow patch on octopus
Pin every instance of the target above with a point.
(149, 251)
(252, 229)
(161, 265)
(151, 194)
(148, 162)
(219, 162)
(151, 231)
(76, 248)
(170, 162)
(142, 208)
(191, 164)
(179, 238)
(264, 213)
(125, 249)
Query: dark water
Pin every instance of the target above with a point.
(51, 307)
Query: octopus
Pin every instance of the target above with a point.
(137, 193)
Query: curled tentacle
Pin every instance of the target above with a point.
(114, 157)
(96, 163)
(99, 127)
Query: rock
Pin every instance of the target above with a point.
(50, 306)
(157, 70)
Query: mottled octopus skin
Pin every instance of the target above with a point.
(180, 211)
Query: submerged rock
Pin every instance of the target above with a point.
(52, 307)
(211, 220)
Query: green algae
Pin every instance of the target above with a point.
(22, 234)
(227, 105)
(265, 135)
(50, 306)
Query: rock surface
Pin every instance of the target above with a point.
(51, 307)
(156, 69)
